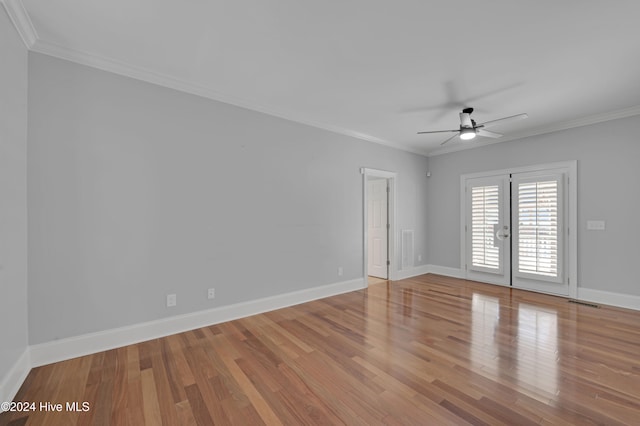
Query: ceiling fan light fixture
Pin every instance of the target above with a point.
(467, 134)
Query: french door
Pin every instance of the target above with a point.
(516, 229)
(488, 230)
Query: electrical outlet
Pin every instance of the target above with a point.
(340, 271)
(211, 293)
(419, 258)
(596, 225)
(171, 300)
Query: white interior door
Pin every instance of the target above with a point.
(377, 222)
(487, 229)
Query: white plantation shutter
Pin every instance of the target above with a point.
(516, 227)
(539, 226)
(485, 217)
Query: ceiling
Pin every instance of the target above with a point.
(373, 69)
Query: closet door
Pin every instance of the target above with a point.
(539, 232)
(487, 229)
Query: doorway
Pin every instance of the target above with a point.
(378, 227)
(379, 241)
(517, 228)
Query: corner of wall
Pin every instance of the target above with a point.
(15, 377)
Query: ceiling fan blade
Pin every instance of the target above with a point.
(438, 131)
(503, 120)
(487, 134)
(450, 138)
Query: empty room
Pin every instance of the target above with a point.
(360, 213)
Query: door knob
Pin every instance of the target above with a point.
(501, 234)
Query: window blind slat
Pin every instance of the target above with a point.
(538, 228)
(485, 213)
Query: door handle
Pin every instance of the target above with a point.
(503, 233)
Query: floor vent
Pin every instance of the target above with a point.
(579, 302)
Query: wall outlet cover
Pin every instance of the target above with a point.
(596, 225)
(171, 300)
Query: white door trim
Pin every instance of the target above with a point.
(572, 213)
(392, 177)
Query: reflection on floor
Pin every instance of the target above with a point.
(375, 280)
(428, 350)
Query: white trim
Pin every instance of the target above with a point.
(15, 377)
(608, 298)
(413, 272)
(430, 269)
(49, 352)
(620, 300)
(153, 77)
(21, 21)
(446, 271)
(46, 353)
(393, 214)
(23, 24)
(523, 169)
(572, 213)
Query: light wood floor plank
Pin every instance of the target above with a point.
(426, 350)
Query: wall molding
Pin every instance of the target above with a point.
(15, 377)
(86, 344)
(138, 73)
(430, 269)
(72, 347)
(403, 274)
(21, 21)
(447, 271)
(25, 28)
(609, 298)
(23, 24)
(619, 300)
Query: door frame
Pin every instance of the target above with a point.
(572, 214)
(391, 240)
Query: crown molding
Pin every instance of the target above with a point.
(21, 21)
(146, 75)
(565, 125)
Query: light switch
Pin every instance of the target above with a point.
(595, 225)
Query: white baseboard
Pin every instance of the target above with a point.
(447, 271)
(429, 269)
(59, 350)
(413, 272)
(15, 377)
(608, 298)
(46, 353)
(587, 294)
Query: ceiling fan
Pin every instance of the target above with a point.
(469, 129)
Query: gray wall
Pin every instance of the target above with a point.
(13, 195)
(136, 191)
(608, 179)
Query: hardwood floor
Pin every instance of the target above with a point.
(428, 350)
